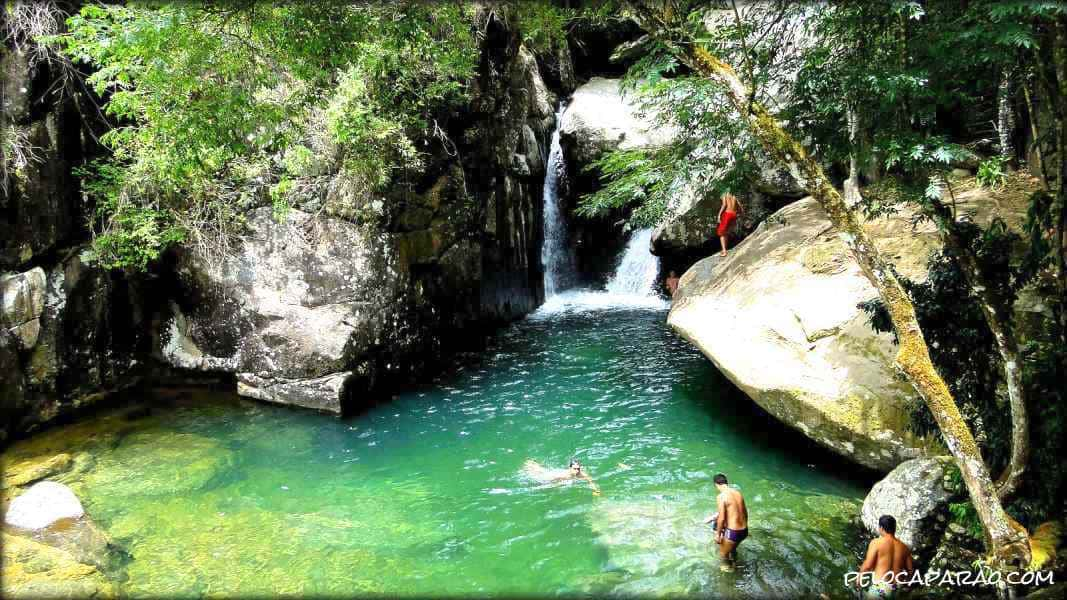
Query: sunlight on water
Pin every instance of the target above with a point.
(214, 495)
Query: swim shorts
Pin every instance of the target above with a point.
(728, 219)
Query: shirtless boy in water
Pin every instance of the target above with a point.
(730, 209)
(888, 558)
(731, 522)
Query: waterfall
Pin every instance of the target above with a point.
(556, 255)
(638, 268)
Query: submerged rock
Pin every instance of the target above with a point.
(29, 471)
(42, 505)
(916, 495)
(156, 463)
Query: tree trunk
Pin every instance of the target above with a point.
(852, 184)
(1007, 540)
(1006, 114)
(1001, 327)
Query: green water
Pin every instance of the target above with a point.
(423, 495)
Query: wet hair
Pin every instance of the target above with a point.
(720, 479)
(574, 463)
(888, 524)
(672, 273)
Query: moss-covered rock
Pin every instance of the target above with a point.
(156, 463)
(35, 570)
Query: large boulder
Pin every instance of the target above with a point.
(296, 300)
(599, 118)
(787, 297)
(916, 493)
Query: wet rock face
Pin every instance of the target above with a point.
(71, 333)
(916, 493)
(39, 199)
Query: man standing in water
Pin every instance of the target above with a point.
(730, 209)
(888, 558)
(731, 521)
(672, 283)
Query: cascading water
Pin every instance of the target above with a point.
(556, 255)
(638, 268)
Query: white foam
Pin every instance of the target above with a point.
(585, 301)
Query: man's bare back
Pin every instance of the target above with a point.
(888, 560)
(887, 554)
(732, 510)
(729, 203)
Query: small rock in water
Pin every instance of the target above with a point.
(285, 487)
(43, 504)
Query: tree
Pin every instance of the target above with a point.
(1007, 540)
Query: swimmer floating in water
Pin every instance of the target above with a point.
(534, 470)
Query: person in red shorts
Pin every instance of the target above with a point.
(729, 211)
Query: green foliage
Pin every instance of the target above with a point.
(964, 514)
(212, 102)
(543, 23)
(991, 172)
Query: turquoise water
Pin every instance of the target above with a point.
(214, 495)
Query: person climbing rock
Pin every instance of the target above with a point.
(672, 283)
(730, 522)
(888, 558)
(574, 471)
(730, 209)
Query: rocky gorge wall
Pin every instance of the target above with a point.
(322, 310)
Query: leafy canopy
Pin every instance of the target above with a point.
(218, 106)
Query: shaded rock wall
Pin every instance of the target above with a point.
(328, 312)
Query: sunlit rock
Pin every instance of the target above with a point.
(21, 304)
(600, 118)
(916, 494)
(779, 316)
(42, 505)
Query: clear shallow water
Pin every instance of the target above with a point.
(424, 495)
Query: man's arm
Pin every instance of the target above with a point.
(592, 485)
(872, 557)
(720, 524)
(909, 564)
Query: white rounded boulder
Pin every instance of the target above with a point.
(43, 504)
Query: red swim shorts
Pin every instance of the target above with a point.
(728, 219)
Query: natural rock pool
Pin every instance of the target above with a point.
(210, 494)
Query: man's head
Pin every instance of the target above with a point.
(575, 466)
(720, 479)
(887, 524)
(673, 275)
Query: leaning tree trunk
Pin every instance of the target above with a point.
(1008, 541)
(1007, 345)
